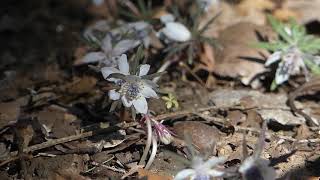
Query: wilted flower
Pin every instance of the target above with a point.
(257, 169)
(134, 89)
(291, 64)
(162, 132)
(201, 169)
(254, 167)
(174, 31)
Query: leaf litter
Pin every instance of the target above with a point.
(55, 121)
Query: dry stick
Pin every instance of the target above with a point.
(309, 86)
(54, 142)
(192, 73)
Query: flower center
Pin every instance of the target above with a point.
(130, 90)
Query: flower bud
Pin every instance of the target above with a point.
(176, 31)
(162, 132)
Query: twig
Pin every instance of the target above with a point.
(54, 142)
(309, 86)
(193, 74)
(108, 167)
(163, 68)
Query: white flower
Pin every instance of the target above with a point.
(139, 30)
(109, 53)
(114, 43)
(257, 168)
(203, 170)
(134, 89)
(100, 25)
(291, 63)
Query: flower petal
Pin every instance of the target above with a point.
(167, 18)
(184, 174)
(282, 73)
(213, 161)
(141, 105)
(106, 71)
(91, 57)
(144, 69)
(124, 45)
(176, 32)
(276, 56)
(106, 45)
(123, 64)
(215, 173)
(114, 95)
(125, 102)
(148, 92)
(139, 25)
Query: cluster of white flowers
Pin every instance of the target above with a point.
(134, 89)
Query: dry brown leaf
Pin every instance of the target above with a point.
(250, 11)
(304, 11)
(203, 136)
(55, 120)
(79, 53)
(9, 113)
(80, 85)
(238, 59)
(303, 132)
(152, 176)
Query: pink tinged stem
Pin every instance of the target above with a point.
(153, 152)
(148, 143)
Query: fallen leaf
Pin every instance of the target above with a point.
(203, 136)
(152, 176)
(9, 113)
(238, 58)
(80, 85)
(269, 106)
(303, 11)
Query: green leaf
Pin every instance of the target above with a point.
(279, 27)
(314, 68)
(276, 46)
(273, 85)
